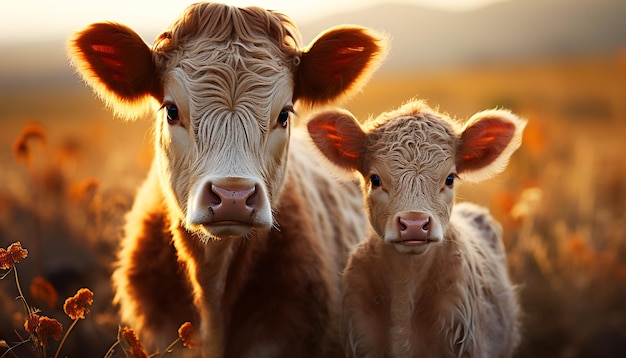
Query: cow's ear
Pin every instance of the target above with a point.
(337, 63)
(339, 137)
(487, 143)
(118, 65)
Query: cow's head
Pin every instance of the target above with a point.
(225, 80)
(409, 160)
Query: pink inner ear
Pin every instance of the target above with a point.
(338, 137)
(116, 58)
(483, 142)
(343, 59)
(335, 141)
(336, 63)
(103, 49)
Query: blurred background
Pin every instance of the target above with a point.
(69, 169)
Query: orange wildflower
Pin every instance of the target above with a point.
(83, 190)
(48, 327)
(31, 323)
(21, 151)
(76, 307)
(136, 349)
(12, 255)
(43, 327)
(187, 334)
(40, 289)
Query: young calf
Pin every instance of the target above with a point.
(431, 281)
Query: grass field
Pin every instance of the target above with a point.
(69, 172)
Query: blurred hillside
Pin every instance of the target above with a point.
(423, 39)
(425, 43)
(508, 32)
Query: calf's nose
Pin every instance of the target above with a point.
(415, 227)
(231, 202)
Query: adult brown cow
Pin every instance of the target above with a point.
(236, 226)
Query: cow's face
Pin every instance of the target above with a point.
(225, 80)
(222, 137)
(409, 160)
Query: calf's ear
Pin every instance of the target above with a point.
(336, 63)
(118, 65)
(487, 143)
(338, 135)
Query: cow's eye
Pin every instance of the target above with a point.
(283, 117)
(376, 181)
(172, 113)
(450, 180)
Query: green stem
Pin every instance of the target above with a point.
(56, 355)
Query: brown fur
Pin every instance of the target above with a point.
(455, 301)
(450, 295)
(292, 273)
(268, 286)
(153, 281)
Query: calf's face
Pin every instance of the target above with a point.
(224, 80)
(409, 173)
(409, 160)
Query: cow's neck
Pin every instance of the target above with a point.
(216, 271)
(418, 284)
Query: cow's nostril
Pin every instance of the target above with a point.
(401, 224)
(251, 200)
(426, 226)
(213, 198)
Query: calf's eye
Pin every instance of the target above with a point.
(450, 180)
(283, 117)
(376, 181)
(172, 114)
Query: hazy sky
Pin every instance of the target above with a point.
(31, 20)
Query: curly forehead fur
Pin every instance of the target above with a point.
(413, 142)
(204, 26)
(235, 56)
(240, 58)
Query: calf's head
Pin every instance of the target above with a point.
(409, 160)
(223, 81)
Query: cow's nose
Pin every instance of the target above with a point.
(415, 227)
(232, 202)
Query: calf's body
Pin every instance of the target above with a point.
(431, 279)
(455, 299)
